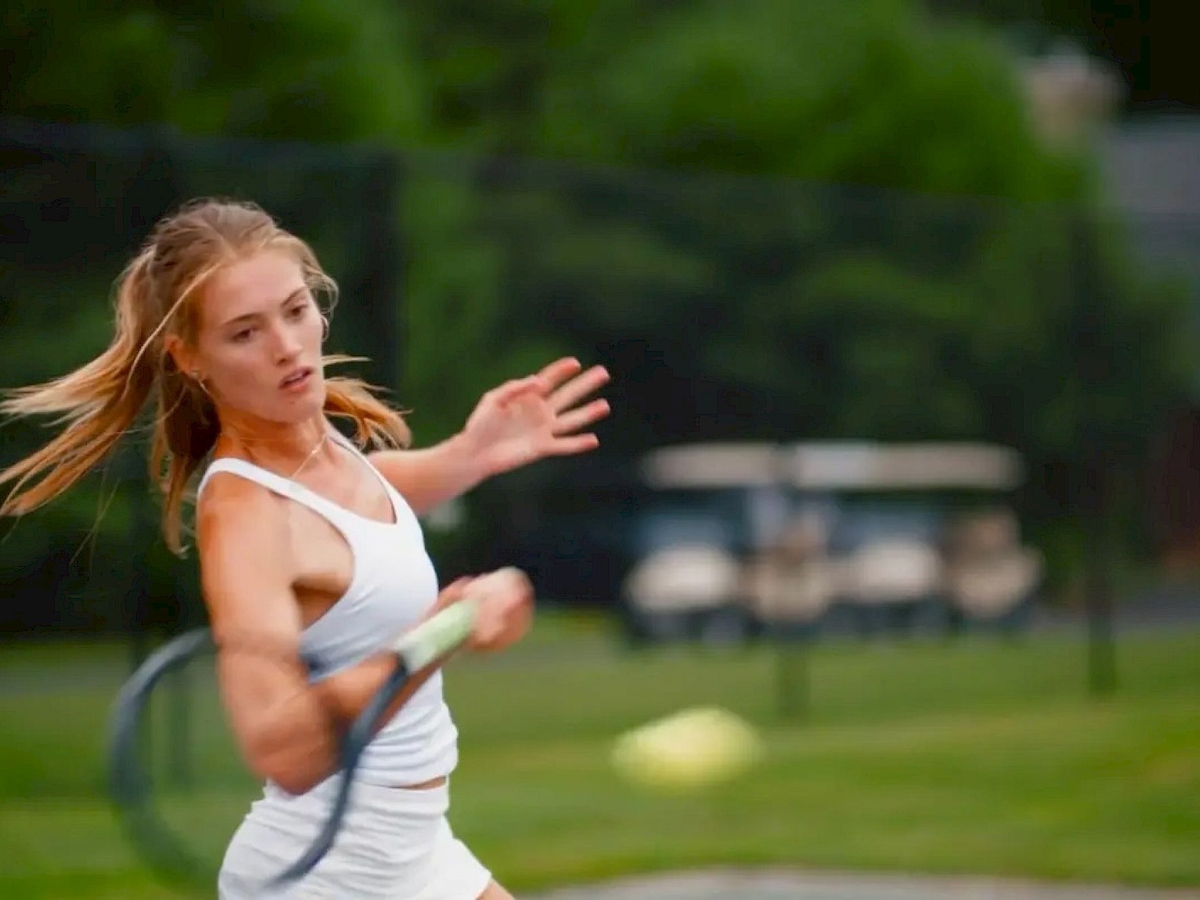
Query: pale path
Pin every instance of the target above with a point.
(780, 885)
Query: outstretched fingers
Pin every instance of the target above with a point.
(581, 417)
(574, 390)
(575, 443)
(557, 372)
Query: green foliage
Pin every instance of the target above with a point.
(86, 64)
(865, 91)
(293, 70)
(869, 240)
(492, 64)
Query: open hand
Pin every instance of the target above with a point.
(528, 419)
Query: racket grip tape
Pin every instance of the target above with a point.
(438, 635)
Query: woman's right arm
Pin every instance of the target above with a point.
(286, 728)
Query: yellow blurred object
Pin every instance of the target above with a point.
(690, 749)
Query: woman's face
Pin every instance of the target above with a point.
(258, 345)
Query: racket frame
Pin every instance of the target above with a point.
(130, 785)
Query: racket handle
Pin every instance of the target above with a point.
(415, 649)
(438, 635)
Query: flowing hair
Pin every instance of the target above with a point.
(157, 295)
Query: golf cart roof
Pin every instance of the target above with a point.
(835, 465)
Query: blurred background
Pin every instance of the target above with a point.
(900, 301)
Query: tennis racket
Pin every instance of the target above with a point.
(173, 852)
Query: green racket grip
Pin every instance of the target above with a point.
(437, 636)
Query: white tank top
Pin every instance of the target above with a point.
(393, 585)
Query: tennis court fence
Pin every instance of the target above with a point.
(729, 309)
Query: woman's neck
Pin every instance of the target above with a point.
(282, 448)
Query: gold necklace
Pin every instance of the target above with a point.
(311, 454)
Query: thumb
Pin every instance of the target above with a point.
(453, 592)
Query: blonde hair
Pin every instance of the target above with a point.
(157, 295)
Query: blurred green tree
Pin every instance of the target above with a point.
(303, 70)
(771, 218)
(889, 250)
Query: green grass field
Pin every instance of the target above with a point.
(979, 756)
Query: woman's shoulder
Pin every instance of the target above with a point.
(244, 548)
(231, 506)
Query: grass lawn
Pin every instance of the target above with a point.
(979, 756)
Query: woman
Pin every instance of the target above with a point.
(311, 557)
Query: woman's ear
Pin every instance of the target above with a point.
(180, 355)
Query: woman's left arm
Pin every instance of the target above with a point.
(513, 425)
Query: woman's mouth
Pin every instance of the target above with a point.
(297, 381)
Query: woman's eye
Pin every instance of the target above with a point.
(243, 335)
(297, 312)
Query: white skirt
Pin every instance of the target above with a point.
(395, 844)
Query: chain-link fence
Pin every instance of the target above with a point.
(835, 360)
(762, 313)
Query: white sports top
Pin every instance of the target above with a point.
(393, 585)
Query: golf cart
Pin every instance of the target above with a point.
(834, 536)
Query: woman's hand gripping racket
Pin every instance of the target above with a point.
(472, 619)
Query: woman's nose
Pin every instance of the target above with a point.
(287, 344)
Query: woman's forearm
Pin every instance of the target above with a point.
(432, 475)
(298, 743)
